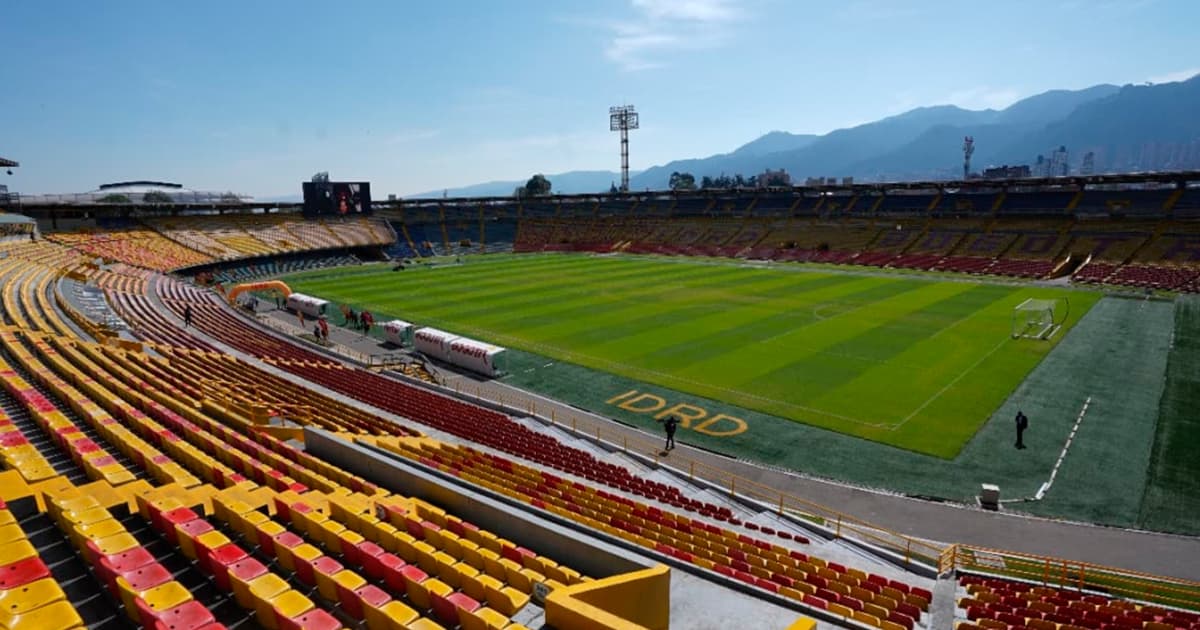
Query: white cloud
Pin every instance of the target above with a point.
(697, 10)
(984, 97)
(1172, 77)
(662, 27)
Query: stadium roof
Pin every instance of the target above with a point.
(4, 162)
(140, 184)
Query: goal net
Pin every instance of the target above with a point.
(1038, 318)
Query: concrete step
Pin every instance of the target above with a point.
(629, 463)
(719, 499)
(943, 607)
(780, 524)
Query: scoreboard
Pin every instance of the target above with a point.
(336, 198)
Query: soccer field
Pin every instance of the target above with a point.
(918, 363)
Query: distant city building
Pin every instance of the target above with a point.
(1089, 164)
(774, 178)
(1007, 172)
(1058, 162)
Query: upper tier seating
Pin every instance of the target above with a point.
(141, 247)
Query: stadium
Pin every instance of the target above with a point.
(448, 413)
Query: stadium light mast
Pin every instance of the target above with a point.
(968, 149)
(622, 119)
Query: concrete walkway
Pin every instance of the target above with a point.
(1149, 552)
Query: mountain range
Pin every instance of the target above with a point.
(1126, 128)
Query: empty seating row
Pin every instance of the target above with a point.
(30, 597)
(998, 603)
(770, 566)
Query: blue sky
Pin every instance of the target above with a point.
(413, 96)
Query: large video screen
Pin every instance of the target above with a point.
(336, 198)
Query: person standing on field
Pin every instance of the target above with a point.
(1022, 423)
(670, 425)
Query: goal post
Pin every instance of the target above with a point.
(1039, 318)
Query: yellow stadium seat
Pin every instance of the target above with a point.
(424, 623)
(286, 605)
(864, 617)
(19, 601)
(327, 585)
(15, 551)
(419, 592)
(483, 619)
(504, 599)
(394, 615)
(163, 597)
(876, 610)
(424, 553)
(58, 615)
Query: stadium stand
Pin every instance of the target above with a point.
(994, 603)
(141, 247)
(176, 563)
(1161, 254)
(766, 565)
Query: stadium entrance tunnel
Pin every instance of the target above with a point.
(690, 416)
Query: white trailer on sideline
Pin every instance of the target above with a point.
(313, 307)
(434, 342)
(398, 332)
(477, 356)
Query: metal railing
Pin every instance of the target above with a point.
(1072, 575)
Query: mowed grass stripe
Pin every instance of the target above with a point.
(919, 355)
(583, 314)
(750, 325)
(449, 293)
(441, 283)
(464, 300)
(885, 298)
(537, 297)
(438, 277)
(639, 315)
(813, 374)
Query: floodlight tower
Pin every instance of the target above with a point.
(623, 118)
(968, 149)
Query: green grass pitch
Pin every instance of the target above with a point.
(914, 362)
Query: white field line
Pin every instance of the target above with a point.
(949, 385)
(1063, 455)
